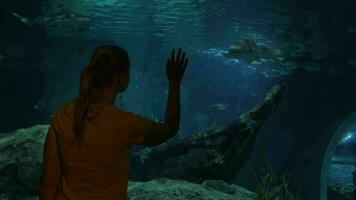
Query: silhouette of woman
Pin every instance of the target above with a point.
(87, 147)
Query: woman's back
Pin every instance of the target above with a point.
(99, 169)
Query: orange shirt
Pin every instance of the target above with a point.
(99, 170)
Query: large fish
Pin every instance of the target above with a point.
(80, 22)
(249, 50)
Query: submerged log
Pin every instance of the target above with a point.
(218, 153)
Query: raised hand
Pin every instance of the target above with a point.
(176, 66)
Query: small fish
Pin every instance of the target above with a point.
(272, 73)
(248, 70)
(256, 62)
(219, 106)
(22, 19)
(231, 62)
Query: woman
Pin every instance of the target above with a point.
(87, 147)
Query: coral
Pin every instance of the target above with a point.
(269, 186)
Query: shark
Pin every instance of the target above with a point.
(249, 50)
(80, 22)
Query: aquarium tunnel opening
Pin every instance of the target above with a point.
(338, 178)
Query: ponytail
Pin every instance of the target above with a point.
(82, 103)
(106, 62)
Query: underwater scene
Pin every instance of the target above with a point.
(267, 100)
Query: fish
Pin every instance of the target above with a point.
(271, 73)
(249, 50)
(247, 70)
(80, 21)
(22, 19)
(219, 106)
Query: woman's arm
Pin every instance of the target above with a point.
(161, 132)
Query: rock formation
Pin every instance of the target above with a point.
(215, 154)
(218, 154)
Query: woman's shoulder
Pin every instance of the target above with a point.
(117, 111)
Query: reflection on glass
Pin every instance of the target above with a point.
(342, 171)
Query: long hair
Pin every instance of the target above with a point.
(106, 62)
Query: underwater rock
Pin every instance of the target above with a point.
(341, 192)
(21, 161)
(163, 188)
(218, 154)
(166, 189)
(249, 50)
(215, 154)
(21, 165)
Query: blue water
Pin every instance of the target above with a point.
(149, 30)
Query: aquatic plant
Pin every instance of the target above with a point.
(269, 186)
